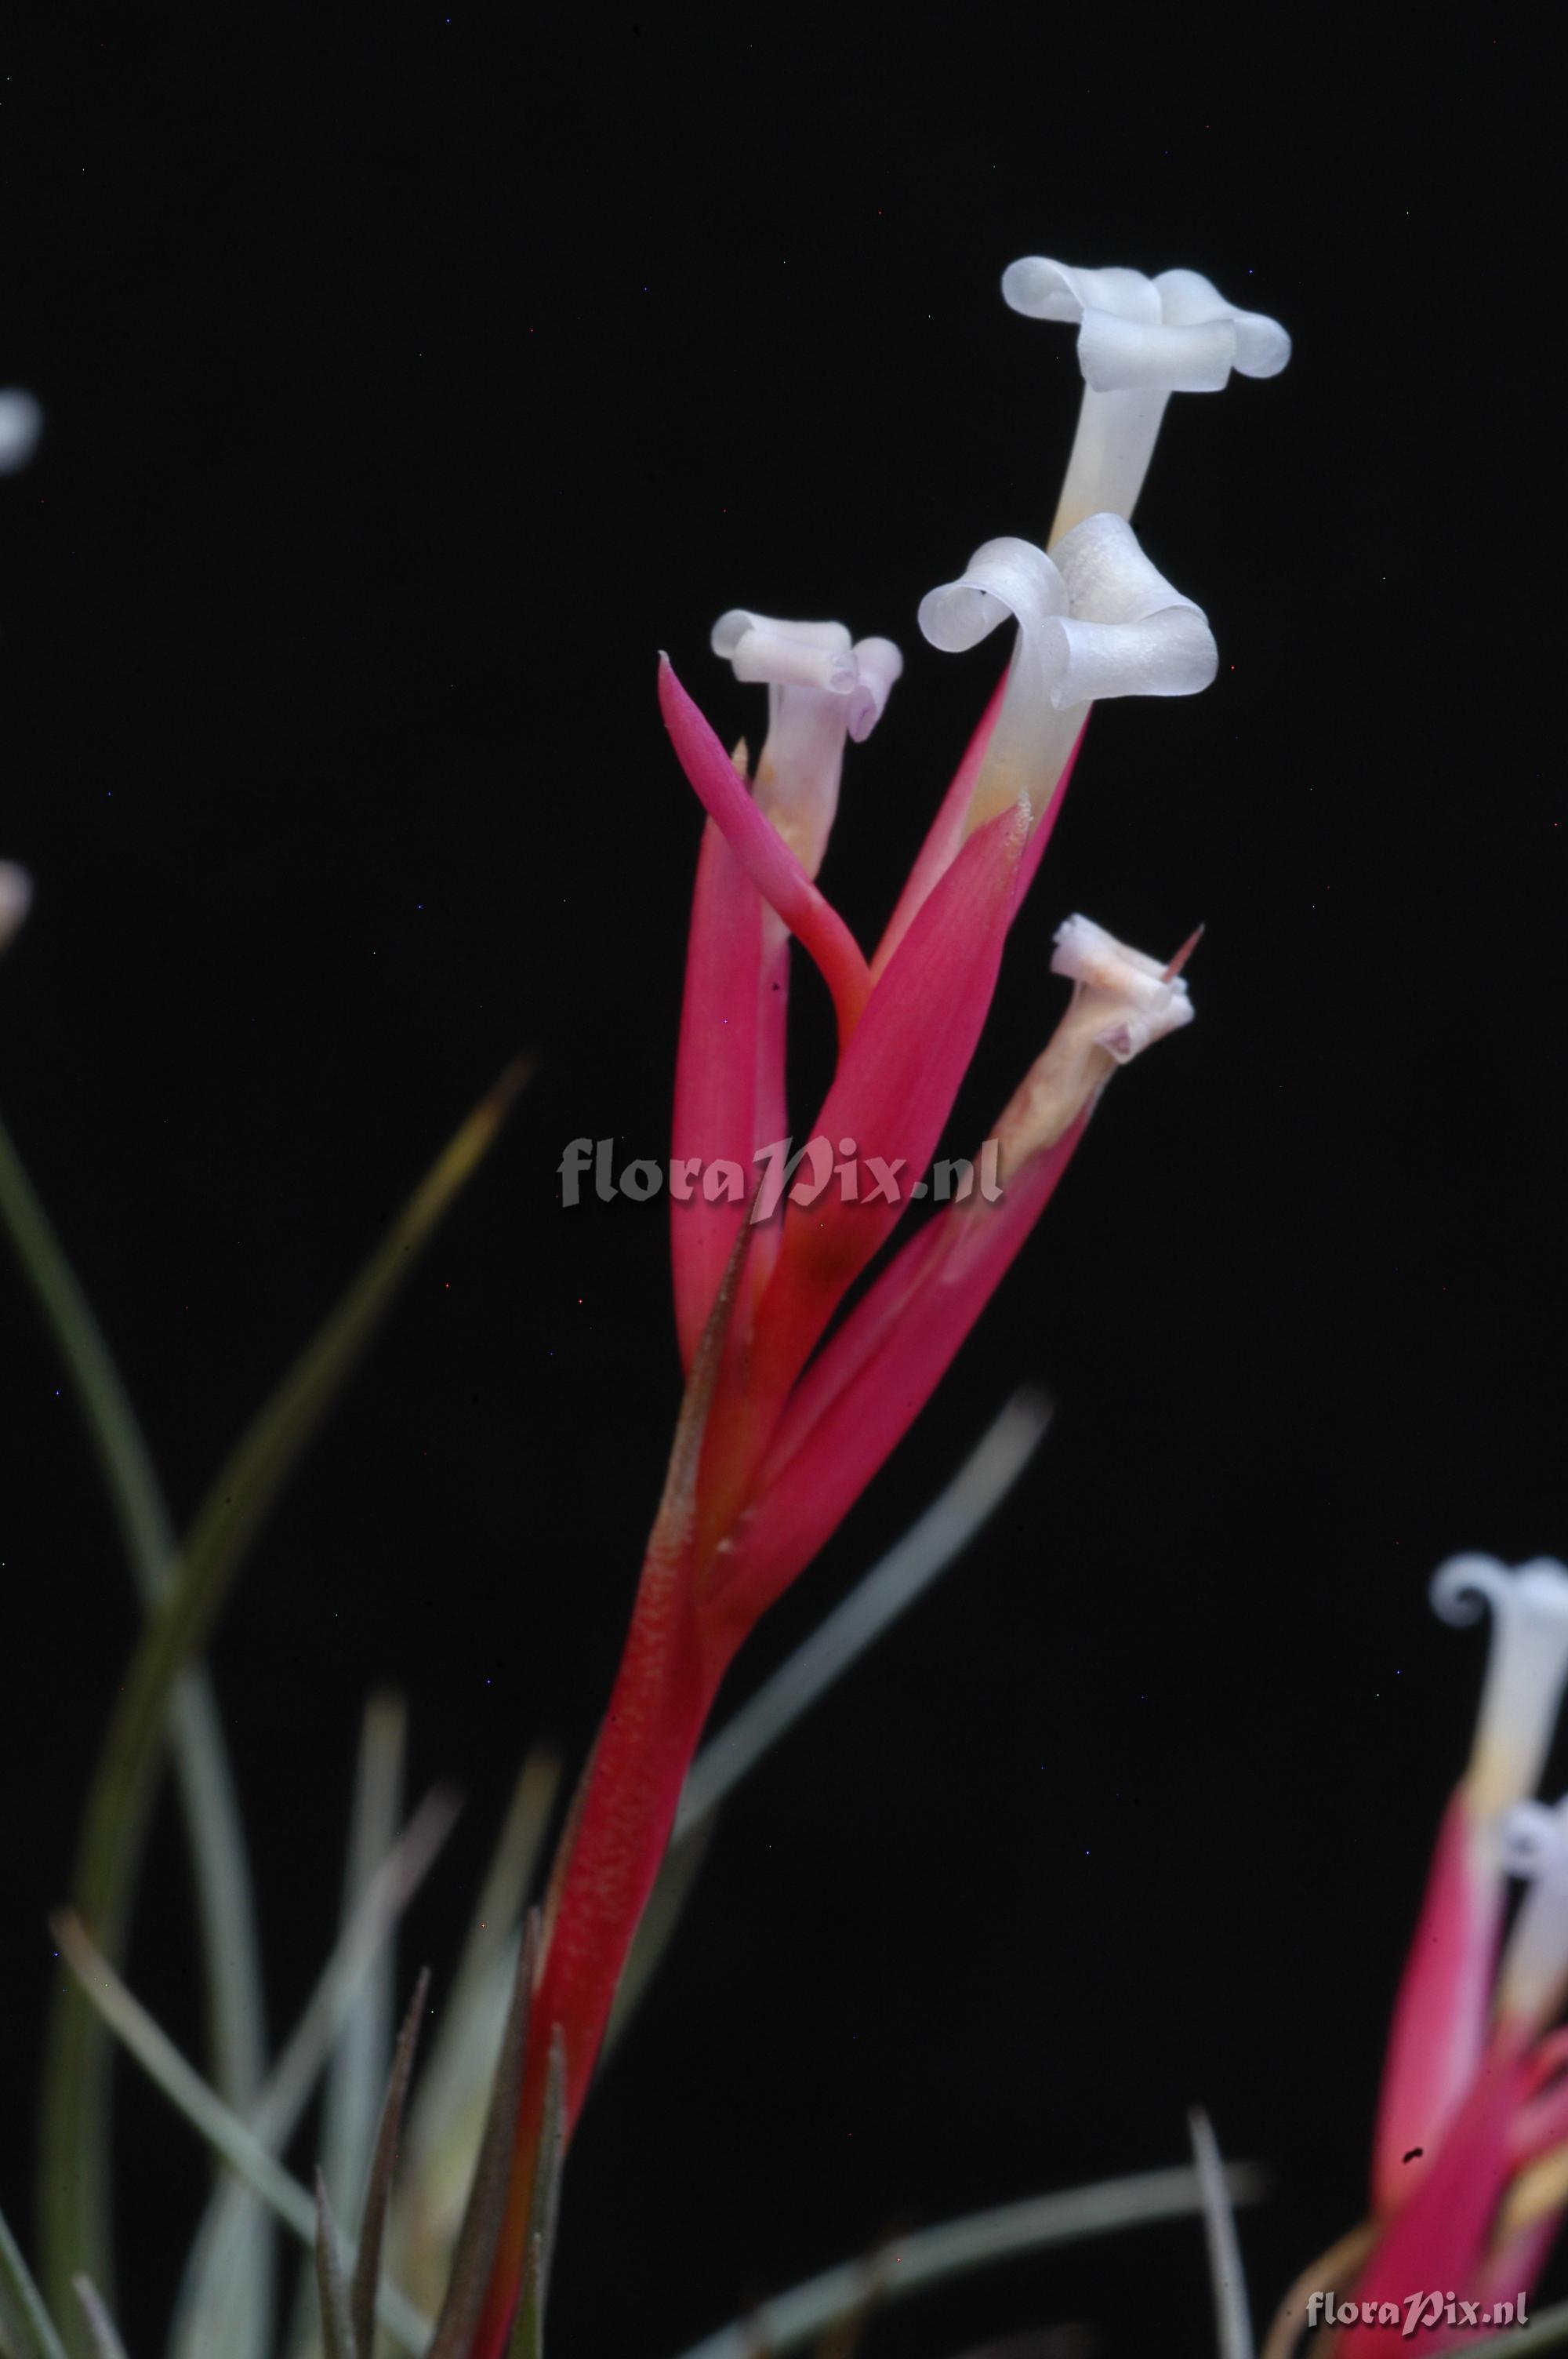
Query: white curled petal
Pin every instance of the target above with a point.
(1172, 654)
(730, 628)
(1119, 355)
(1262, 346)
(1108, 578)
(878, 664)
(1122, 1003)
(21, 423)
(1042, 290)
(785, 654)
(1124, 992)
(1527, 1667)
(1005, 579)
(1129, 631)
(16, 898)
(1188, 300)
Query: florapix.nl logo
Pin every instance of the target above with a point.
(784, 1171)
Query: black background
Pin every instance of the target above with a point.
(410, 380)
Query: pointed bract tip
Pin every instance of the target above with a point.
(1184, 954)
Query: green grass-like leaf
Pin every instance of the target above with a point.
(224, 2132)
(213, 2292)
(448, 2110)
(337, 2332)
(528, 2338)
(954, 1518)
(106, 2342)
(74, 2211)
(32, 2329)
(1233, 2324)
(361, 2054)
(486, 2209)
(958, 2246)
(383, 2159)
(226, 1908)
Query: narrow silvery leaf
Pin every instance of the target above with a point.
(372, 2219)
(124, 1782)
(480, 2231)
(106, 2342)
(1233, 2327)
(224, 2131)
(958, 2246)
(336, 2332)
(22, 2305)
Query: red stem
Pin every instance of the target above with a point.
(626, 1809)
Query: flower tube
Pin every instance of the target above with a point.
(1139, 340)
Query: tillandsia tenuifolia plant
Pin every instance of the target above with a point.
(1470, 2154)
(795, 1395)
(780, 1431)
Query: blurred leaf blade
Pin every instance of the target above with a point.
(225, 1901)
(27, 2314)
(336, 2332)
(227, 2135)
(1547, 2332)
(73, 2211)
(383, 2159)
(954, 1519)
(105, 2336)
(361, 2056)
(1233, 2324)
(527, 2340)
(979, 2240)
(214, 2290)
(894, 1583)
(447, 2114)
(486, 2207)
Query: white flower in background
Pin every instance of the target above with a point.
(16, 898)
(1139, 340)
(21, 423)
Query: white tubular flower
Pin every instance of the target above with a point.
(820, 688)
(21, 423)
(1525, 1670)
(1095, 619)
(1534, 1972)
(16, 898)
(1122, 1003)
(1139, 340)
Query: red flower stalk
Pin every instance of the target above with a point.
(780, 1431)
